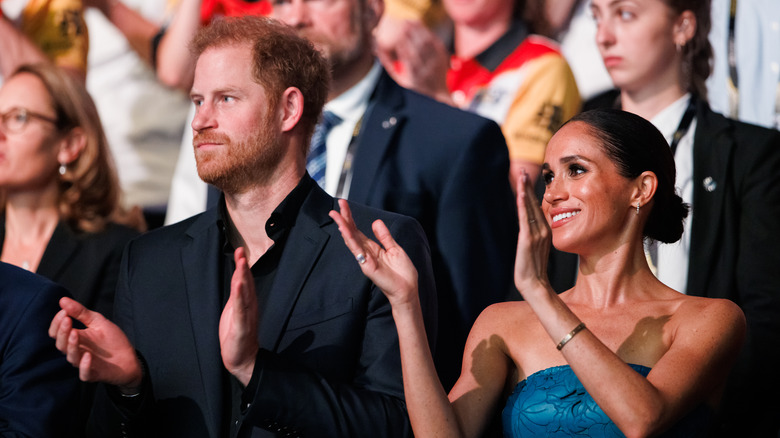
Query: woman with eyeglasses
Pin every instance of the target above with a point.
(59, 194)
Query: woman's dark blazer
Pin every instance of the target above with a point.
(86, 264)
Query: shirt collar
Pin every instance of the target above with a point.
(282, 218)
(669, 118)
(494, 55)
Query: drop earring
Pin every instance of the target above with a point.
(62, 169)
(637, 208)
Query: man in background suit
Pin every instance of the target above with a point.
(321, 357)
(399, 151)
(38, 389)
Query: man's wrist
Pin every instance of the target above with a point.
(244, 374)
(133, 387)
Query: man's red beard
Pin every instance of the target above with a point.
(233, 167)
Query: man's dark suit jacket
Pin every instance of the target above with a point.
(38, 387)
(86, 264)
(449, 169)
(733, 254)
(329, 363)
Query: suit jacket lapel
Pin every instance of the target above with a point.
(58, 253)
(383, 117)
(302, 249)
(203, 294)
(712, 153)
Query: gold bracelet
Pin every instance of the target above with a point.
(571, 334)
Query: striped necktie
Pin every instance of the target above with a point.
(317, 159)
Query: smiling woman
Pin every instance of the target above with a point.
(619, 352)
(599, 147)
(658, 55)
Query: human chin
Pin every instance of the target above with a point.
(322, 43)
(344, 53)
(623, 78)
(211, 168)
(244, 163)
(565, 241)
(216, 165)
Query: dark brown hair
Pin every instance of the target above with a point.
(636, 146)
(533, 14)
(697, 53)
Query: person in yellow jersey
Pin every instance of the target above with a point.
(34, 30)
(498, 65)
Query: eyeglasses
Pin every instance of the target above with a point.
(15, 119)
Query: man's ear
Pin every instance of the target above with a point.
(71, 145)
(645, 186)
(291, 108)
(372, 13)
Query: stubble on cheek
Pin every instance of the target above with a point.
(212, 161)
(233, 166)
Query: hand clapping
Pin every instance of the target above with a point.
(385, 263)
(101, 351)
(533, 242)
(238, 324)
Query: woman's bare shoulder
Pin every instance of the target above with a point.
(505, 313)
(501, 321)
(716, 315)
(717, 308)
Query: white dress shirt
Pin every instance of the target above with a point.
(350, 107)
(672, 261)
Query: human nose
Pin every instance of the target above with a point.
(295, 13)
(554, 192)
(204, 118)
(4, 125)
(605, 35)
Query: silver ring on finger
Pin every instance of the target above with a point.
(361, 258)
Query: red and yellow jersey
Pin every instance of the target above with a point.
(57, 27)
(233, 8)
(525, 86)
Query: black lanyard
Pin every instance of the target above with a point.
(346, 169)
(685, 124)
(732, 55)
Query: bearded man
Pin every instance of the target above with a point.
(400, 151)
(252, 318)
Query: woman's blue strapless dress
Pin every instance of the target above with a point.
(553, 403)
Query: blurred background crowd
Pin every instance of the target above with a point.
(96, 144)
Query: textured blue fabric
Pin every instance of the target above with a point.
(553, 403)
(317, 159)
